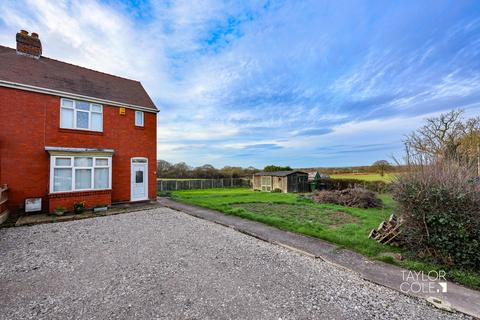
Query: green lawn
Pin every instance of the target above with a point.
(347, 227)
(388, 177)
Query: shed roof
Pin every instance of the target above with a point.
(313, 174)
(279, 173)
(64, 77)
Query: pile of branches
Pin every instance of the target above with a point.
(352, 197)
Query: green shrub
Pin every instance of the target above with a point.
(440, 208)
(277, 190)
(59, 210)
(79, 207)
(164, 194)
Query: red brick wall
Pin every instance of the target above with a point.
(67, 199)
(30, 121)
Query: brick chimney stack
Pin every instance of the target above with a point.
(29, 45)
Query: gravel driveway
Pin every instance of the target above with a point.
(162, 264)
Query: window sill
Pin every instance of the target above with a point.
(65, 194)
(81, 131)
(140, 127)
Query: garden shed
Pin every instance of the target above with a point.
(315, 176)
(287, 181)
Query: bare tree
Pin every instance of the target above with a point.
(207, 171)
(470, 142)
(448, 137)
(180, 170)
(233, 172)
(163, 167)
(440, 136)
(381, 166)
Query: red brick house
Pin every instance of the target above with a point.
(70, 134)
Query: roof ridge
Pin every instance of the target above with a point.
(77, 66)
(279, 172)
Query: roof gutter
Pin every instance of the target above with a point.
(64, 94)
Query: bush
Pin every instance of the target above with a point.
(79, 207)
(354, 197)
(440, 208)
(164, 193)
(277, 190)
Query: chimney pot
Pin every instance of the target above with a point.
(29, 45)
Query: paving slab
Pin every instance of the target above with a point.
(458, 297)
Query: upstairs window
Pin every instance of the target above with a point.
(75, 114)
(139, 118)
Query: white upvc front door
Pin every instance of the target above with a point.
(139, 179)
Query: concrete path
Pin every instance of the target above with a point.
(457, 297)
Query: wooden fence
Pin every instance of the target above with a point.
(172, 185)
(3, 204)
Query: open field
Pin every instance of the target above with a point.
(388, 177)
(348, 227)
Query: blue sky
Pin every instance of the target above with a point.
(299, 83)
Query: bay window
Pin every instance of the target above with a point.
(75, 114)
(80, 173)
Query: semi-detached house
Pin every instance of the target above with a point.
(71, 134)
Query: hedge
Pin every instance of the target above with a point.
(342, 184)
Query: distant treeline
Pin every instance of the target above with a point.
(182, 170)
(357, 169)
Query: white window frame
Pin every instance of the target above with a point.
(139, 116)
(53, 166)
(75, 110)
